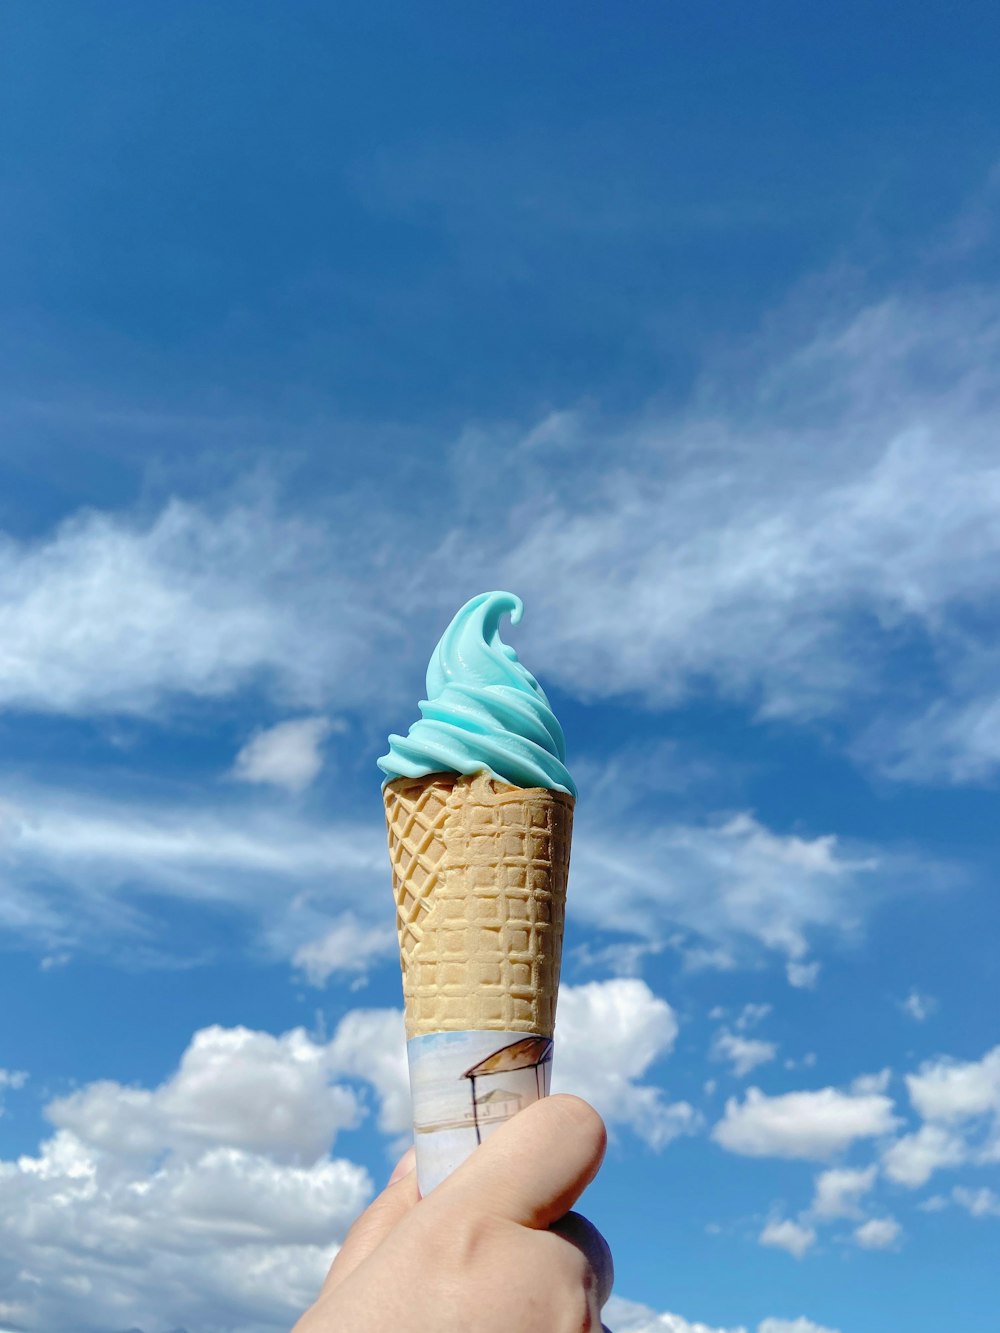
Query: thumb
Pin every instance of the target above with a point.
(534, 1168)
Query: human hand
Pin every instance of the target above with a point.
(492, 1250)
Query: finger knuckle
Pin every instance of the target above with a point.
(474, 1244)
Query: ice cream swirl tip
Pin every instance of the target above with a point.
(484, 710)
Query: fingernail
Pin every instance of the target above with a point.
(404, 1166)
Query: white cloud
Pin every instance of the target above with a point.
(111, 614)
(349, 948)
(839, 1189)
(951, 1090)
(14, 1079)
(630, 1317)
(847, 479)
(233, 1087)
(813, 1125)
(370, 1045)
(73, 861)
(918, 1006)
(213, 1201)
(878, 1233)
(958, 740)
(982, 1202)
(865, 1083)
(737, 886)
(209, 1201)
(291, 874)
(800, 1325)
(743, 1053)
(914, 1158)
(750, 1016)
(959, 1102)
(804, 976)
(785, 1234)
(637, 1028)
(747, 538)
(286, 755)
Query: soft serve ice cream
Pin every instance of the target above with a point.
(484, 711)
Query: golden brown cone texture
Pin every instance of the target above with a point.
(479, 871)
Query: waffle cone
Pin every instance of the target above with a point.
(479, 872)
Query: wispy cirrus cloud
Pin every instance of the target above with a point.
(86, 870)
(789, 554)
(791, 543)
(119, 614)
(732, 885)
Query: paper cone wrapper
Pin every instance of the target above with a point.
(479, 872)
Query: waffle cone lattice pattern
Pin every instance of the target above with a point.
(479, 871)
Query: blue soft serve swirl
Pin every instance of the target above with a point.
(484, 711)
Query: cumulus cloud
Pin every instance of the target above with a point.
(287, 755)
(918, 1006)
(878, 1233)
(959, 1102)
(636, 1029)
(742, 1053)
(952, 1090)
(812, 1125)
(370, 1045)
(786, 1234)
(213, 1200)
(210, 1201)
(233, 1087)
(914, 1158)
(865, 1083)
(839, 1189)
(630, 1317)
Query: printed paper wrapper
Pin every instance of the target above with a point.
(464, 1086)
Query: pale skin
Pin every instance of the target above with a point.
(494, 1249)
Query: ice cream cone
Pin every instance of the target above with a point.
(479, 872)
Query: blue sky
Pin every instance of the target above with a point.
(681, 321)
